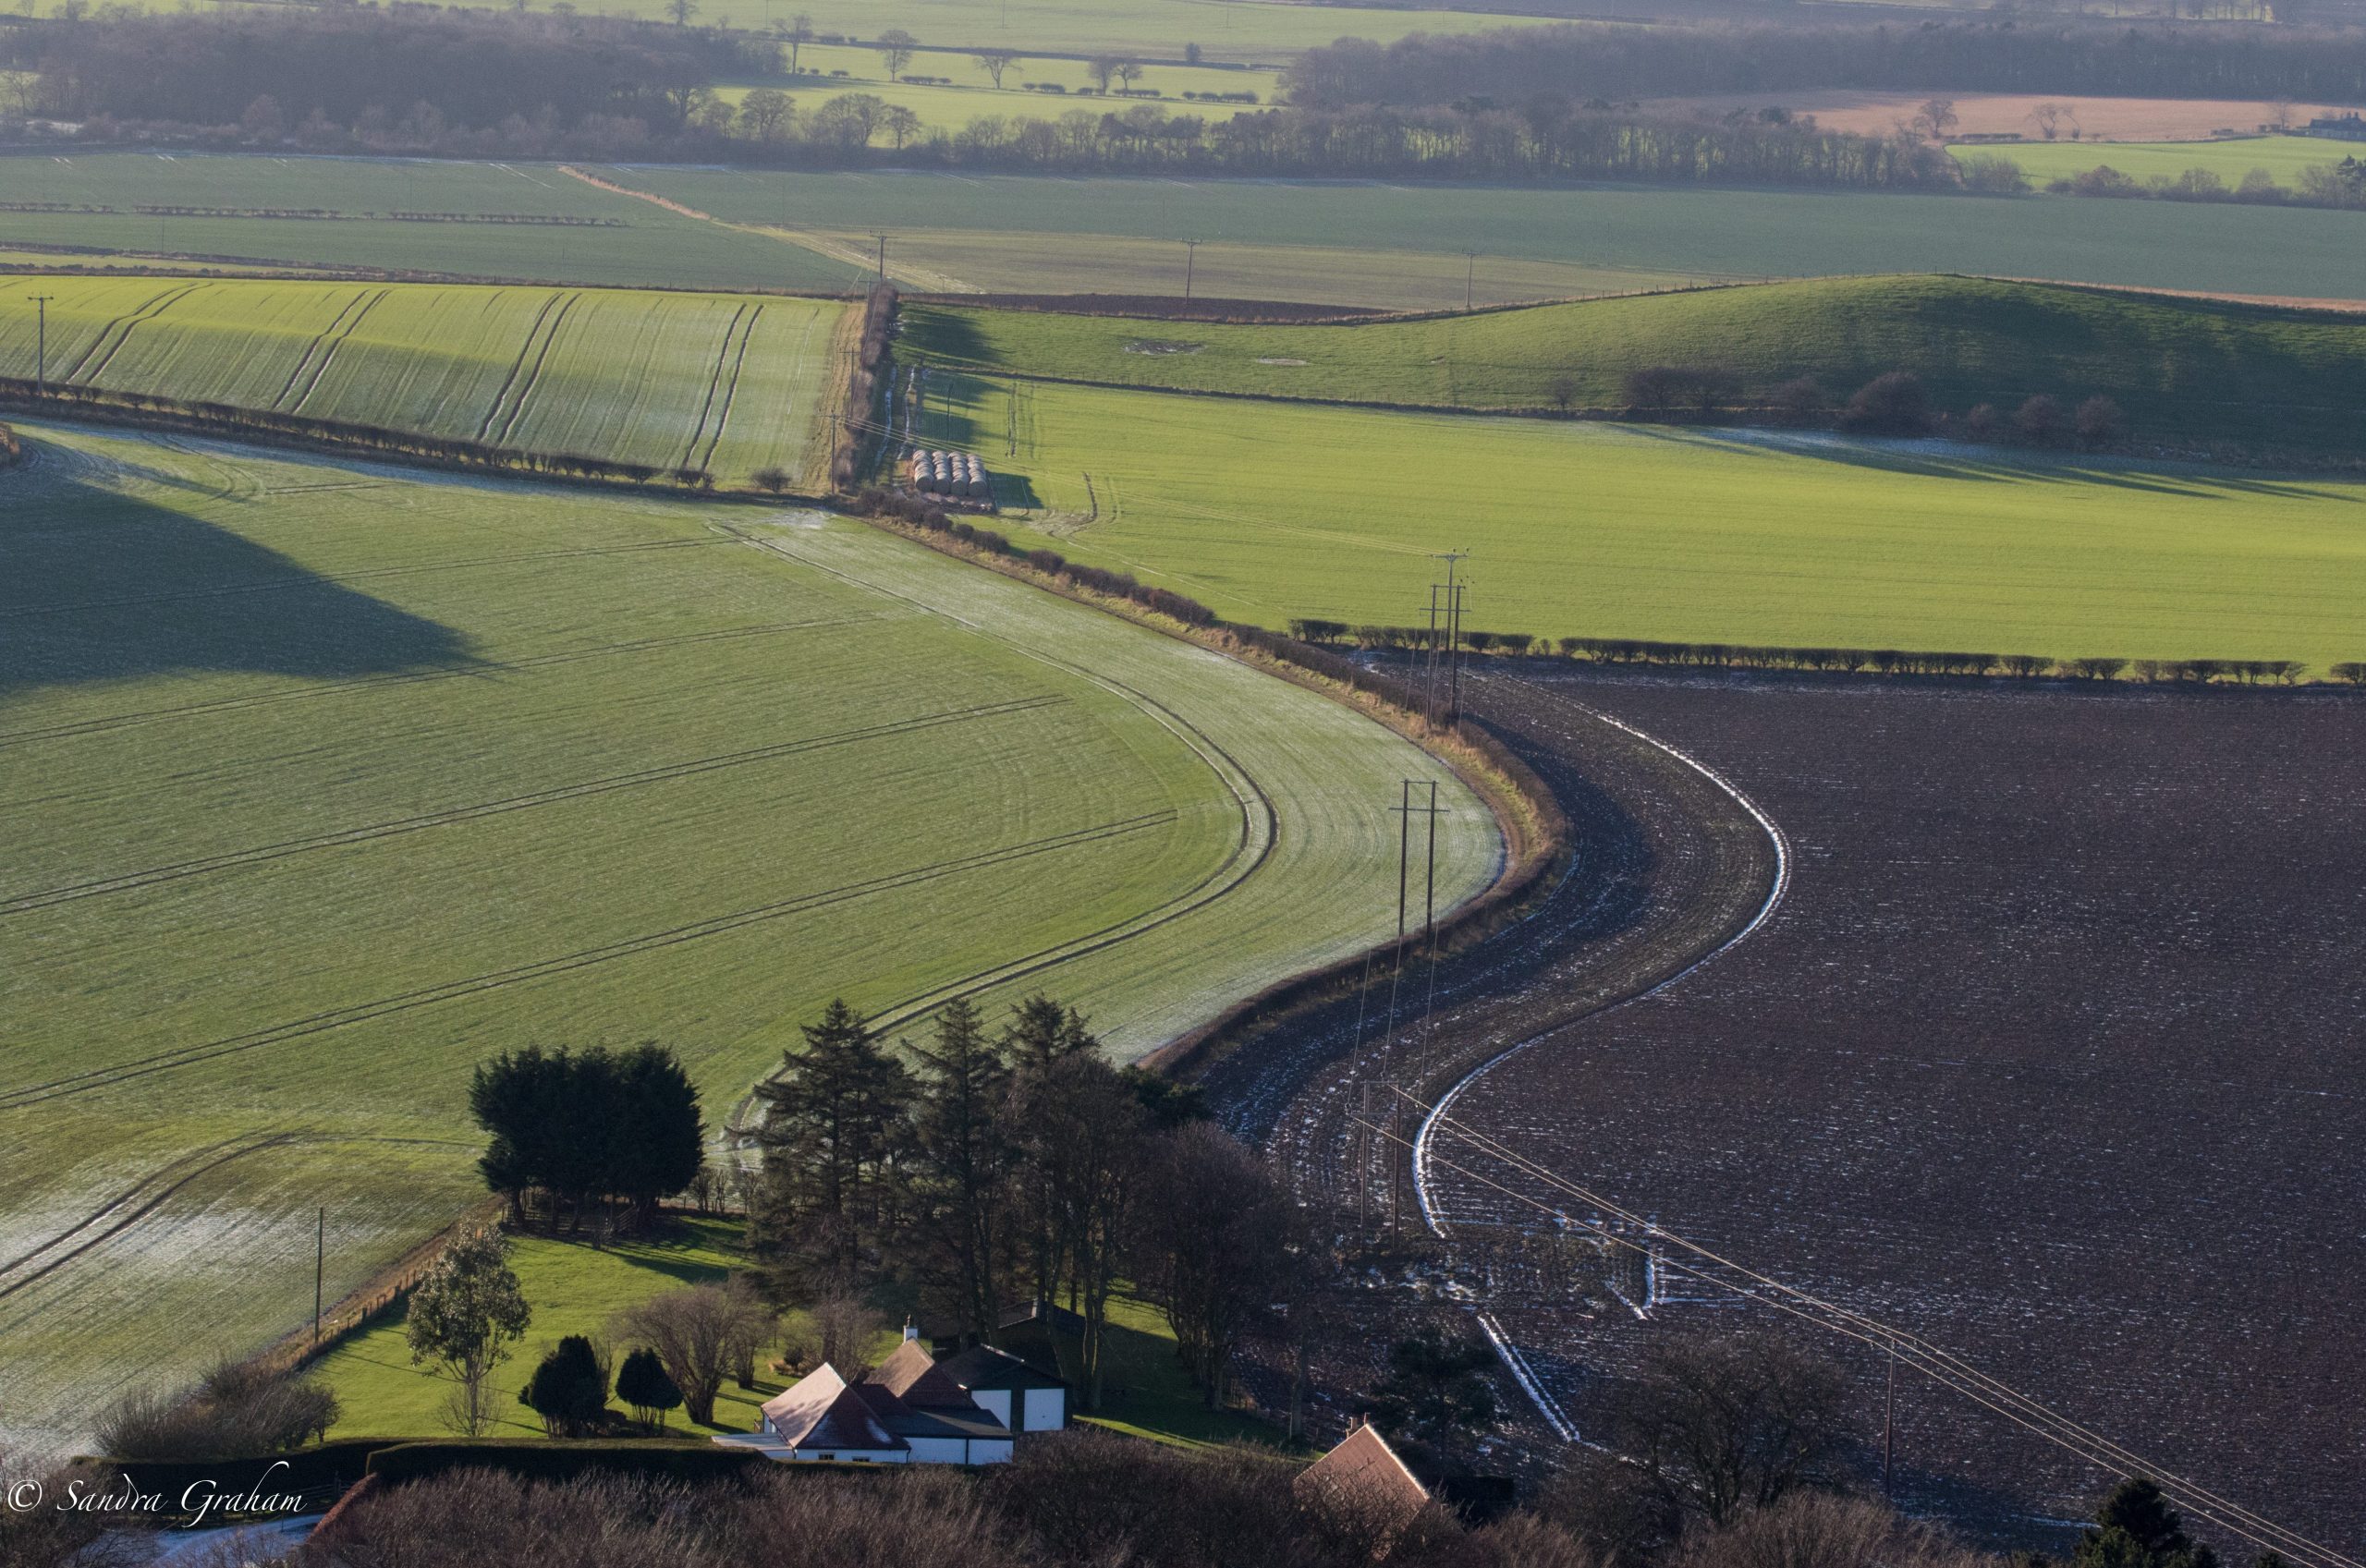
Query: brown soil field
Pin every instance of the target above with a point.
(2050, 1053)
(2000, 113)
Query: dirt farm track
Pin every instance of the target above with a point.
(2048, 1053)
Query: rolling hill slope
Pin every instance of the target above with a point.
(2187, 371)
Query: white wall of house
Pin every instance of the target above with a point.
(989, 1451)
(996, 1401)
(850, 1455)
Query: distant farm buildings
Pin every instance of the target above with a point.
(956, 474)
(2348, 127)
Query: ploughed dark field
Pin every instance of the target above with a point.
(2051, 1053)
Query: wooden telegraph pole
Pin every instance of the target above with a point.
(40, 342)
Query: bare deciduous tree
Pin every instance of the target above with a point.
(1723, 1425)
(700, 1334)
(994, 63)
(896, 48)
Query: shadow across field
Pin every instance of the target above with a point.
(99, 586)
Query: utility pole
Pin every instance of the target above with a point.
(883, 258)
(1469, 276)
(40, 342)
(319, 1266)
(1453, 607)
(1191, 250)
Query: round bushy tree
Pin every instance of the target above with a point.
(641, 1382)
(568, 1391)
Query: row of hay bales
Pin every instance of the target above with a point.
(950, 473)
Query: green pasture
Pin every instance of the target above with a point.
(325, 782)
(576, 1288)
(726, 382)
(2184, 370)
(828, 70)
(637, 243)
(1673, 234)
(2282, 156)
(1242, 31)
(1270, 510)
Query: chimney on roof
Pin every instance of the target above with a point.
(911, 1331)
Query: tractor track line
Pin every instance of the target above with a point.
(108, 330)
(517, 364)
(154, 1202)
(297, 373)
(284, 584)
(334, 348)
(321, 1023)
(559, 794)
(1425, 1139)
(713, 384)
(1254, 806)
(414, 677)
(525, 393)
(134, 324)
(731, 391)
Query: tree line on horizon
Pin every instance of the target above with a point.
(2014, 54)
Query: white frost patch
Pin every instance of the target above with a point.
(1281, 361)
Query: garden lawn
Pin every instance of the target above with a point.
(325, 782)
(1269, 511)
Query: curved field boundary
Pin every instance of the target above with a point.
(1424, 1138)
(95, 1079)
(558, 795)
(1259, 828)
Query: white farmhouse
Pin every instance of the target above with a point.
(909, 1410)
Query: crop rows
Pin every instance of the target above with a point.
(714, 382)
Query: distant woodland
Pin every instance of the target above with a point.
(1514, 65)
(1558, 104)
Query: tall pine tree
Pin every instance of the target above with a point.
(962, 1143)
(835, 1128)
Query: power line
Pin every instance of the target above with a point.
(1943, 1367)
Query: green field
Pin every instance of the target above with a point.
(1375, 245)
(637, 243)
(1243, 30)
(724, 383)
(831, 69)
(1272, 510)
(1671, 234)
(2185, 371)
(2282, 156)
(575, 1288)
(323, 782)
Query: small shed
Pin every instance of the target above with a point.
(1022, 1398)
